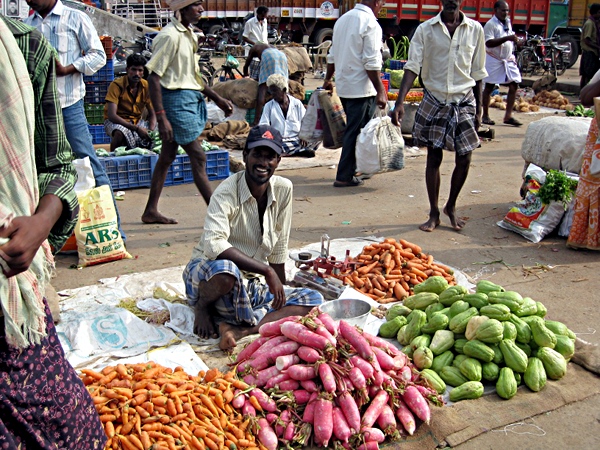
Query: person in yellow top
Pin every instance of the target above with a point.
(176, 90)
(127, 98)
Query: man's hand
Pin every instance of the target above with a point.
(381, 99)
(398, 114)
(328, 85)
(143, 133)
(26, 235)
(512, 38)
(165, 129)
(225, 105)
(275, 288)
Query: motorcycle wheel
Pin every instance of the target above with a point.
(559, 63)
(220, 76)
(526, 62)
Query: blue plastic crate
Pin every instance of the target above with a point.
(106, 73)
(217, 168)
(95, 91)
(127, 172)
(99, 136)
(217, 164)
(396, 64)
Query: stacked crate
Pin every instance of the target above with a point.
(96, 88)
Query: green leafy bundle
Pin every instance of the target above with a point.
(581, 111)
(558, 187)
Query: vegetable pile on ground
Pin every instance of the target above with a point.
(312, 372)
(460, 339)
(520, 105)
(552, 99)
(144, 406)
(581, 111)
(390, 270)
(558, 187)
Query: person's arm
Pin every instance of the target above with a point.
(588, 93)
(260, 102)
(164, 126)
(497, 42)
(328, 81)
(479, 73)
(412, 68)
(93, 57)
(407, 83)
(111, 109)
(251, 55)
(225, 105)
(478, 93)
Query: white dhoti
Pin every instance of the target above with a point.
(501, 71)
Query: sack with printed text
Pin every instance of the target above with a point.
(379, 146)
(334, 114)
(97, 231)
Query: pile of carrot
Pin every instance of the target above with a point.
(148, 406)
(390, 269)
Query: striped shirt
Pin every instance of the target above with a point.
(56, 175)
(232, 221)
(74, 37)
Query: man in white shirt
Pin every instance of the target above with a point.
(255, 29)
(500, 62)
(355, 58)
(235, 278)
(285, 113)
(449, 53)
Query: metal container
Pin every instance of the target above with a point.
(410, 110)
(352, 310)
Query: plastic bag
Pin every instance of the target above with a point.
(311, 128)
(97, 233)
(232, 61)
(332, 108)
(531, 218)
(379, 146)
(85, 175)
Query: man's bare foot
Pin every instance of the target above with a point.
(203, 323)
(456, 222)
(430, 225)
(231, 333)
(157, 218)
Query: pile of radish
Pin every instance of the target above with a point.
(309, 373)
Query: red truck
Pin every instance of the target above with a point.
(312, 20)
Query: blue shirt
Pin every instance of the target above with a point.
(74, 37)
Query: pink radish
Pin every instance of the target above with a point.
(249, 379)
(371, 445)
(299, 333)
(301, 372)
(266, 435)
(274, 328)
(290, 431)
(268, 359)
(400, 361)
(417, 404)
(341, 430)
(249, 349)
(323, 331)
(323, 426)
(265, 375)
(266, 402)
(238, 399)
(376, 341)
(289, 385)
(357, 340)
(357, 378)
(350, 409)
(327, 378)
(301, 396)
(271, 418)
(373, 390)
(268, 345)
(374, 409)
(331, 325)
(285, 361)
(405, 373)
(386, 362)
(373, 434)
(309, 385)
(425, 391)
(309, 354)
(309, 410)
(387, 421)
(248, 409)
(378, 377)
(406, 418)
(366, 368)
(276, 380)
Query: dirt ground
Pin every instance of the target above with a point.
(394, 204)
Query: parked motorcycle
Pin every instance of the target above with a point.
(142, 45)
(539, 55)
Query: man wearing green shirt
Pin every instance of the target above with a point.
(590, 63)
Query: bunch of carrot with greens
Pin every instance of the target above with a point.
(309, 373)
(143, 406)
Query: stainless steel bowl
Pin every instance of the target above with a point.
(352, 310)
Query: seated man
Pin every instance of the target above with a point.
(235, 278)
(285, 113)
(126, 100)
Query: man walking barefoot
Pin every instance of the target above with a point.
(448, 47)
